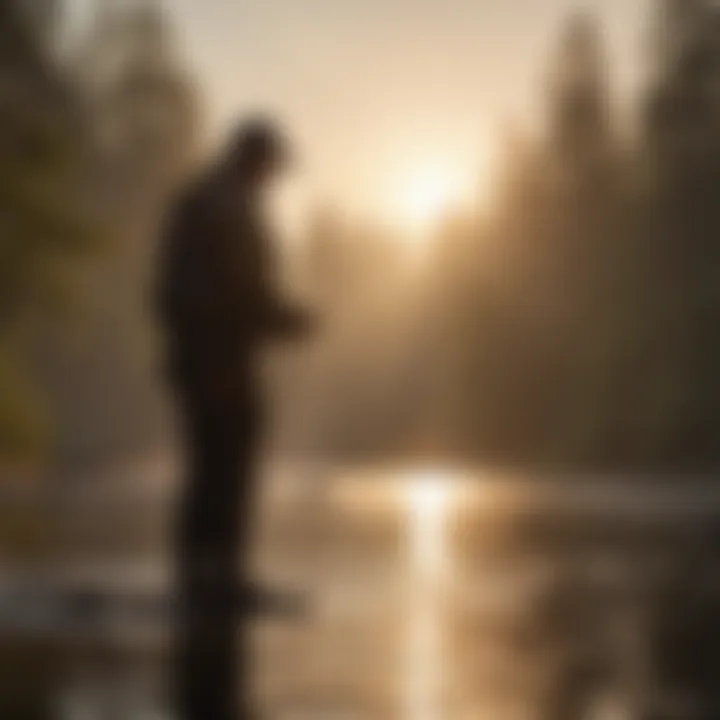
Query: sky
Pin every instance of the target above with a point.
(378, 94)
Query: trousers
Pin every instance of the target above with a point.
(215, 520)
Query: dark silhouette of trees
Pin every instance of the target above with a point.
(682, 160)
(584, 312)
(572, 323)
(531, 348)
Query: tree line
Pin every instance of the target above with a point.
(94, 134)
(571, 323)
(590, 320)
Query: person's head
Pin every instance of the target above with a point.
(258, 151)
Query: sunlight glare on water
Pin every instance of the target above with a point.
(428, 498)
(429, 495)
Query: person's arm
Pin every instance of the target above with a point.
(288, 322)
(261, 306)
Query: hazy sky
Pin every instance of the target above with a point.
(377, 90)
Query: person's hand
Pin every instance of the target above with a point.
(294, 324)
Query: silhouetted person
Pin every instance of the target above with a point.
(220, 308)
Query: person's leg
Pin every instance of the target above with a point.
(216, 516)
(227, 671)
(190, 585)
(221, 514)
(204, 667)
(245, 523)
(236, 521)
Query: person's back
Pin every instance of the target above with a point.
(216, 298)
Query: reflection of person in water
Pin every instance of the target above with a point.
(219, 308)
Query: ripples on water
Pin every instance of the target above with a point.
(438, 596)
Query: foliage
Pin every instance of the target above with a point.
(600, 348)
(575, 323)
(23, 429)
(140, 111)
(42, 227)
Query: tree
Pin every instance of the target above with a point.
(42, 227)
(539, 362)
(682, 153)
(142, 119)
(586, 251)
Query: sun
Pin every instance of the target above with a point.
(427, 194)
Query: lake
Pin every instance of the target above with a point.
(432, 595)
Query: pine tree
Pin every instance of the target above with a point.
(682, 118)
(578, 249)
(580, 131)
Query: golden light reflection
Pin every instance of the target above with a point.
(428, 501)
